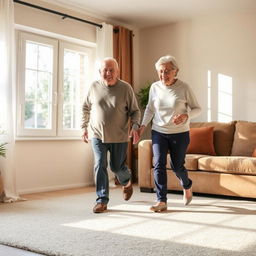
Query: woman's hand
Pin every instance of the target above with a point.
(179, 118)
(141, 130)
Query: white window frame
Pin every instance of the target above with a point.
(21, 131)
(77, 48)
(59, 45)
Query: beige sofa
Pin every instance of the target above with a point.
(231, 172)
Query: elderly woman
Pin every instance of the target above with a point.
(171, 105)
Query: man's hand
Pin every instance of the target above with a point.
(85, 137)
(135, 135)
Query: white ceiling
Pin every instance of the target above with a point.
(147, 13)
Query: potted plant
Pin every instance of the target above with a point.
(143, 95)
(2, 153)
(2, 149)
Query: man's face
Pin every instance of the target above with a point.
(166, 73)
(109, 72)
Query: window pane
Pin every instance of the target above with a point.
(43, 115)
(67, 87)
(31, 55)
(38, 86)
(67, 116)
(30, 84)
(75, 64)
(44, 91)
(29, 114)
(75, 116)
(45, 54)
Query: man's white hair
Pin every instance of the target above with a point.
(167, 59)
(110, 59)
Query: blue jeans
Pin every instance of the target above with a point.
(118, 153)
(176, 144)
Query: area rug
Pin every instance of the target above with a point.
(65, 225)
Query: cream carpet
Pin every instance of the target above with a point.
(65, 225)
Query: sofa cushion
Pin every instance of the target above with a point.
(228, 164)
(223, 134)
(244, 139)
(191, 161)
(201, 141)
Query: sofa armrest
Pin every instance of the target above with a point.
(145, 163)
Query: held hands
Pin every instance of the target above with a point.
(141, 130)
(135, 134)
(179, 118)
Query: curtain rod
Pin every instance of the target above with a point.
(64, 16)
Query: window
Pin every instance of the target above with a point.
(53, 77)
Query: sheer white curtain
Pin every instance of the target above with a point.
(7, 97)
(104, 40)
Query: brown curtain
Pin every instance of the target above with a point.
(123, 53)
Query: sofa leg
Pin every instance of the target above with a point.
(147, 190)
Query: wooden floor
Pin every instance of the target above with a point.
(11, 251)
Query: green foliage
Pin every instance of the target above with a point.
(143, 95)
(37, 97)
(2, 149)
(29, 111)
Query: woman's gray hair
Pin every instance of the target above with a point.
(167, 59)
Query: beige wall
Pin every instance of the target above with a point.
(223, 44)
(52, 165)
(39, 19)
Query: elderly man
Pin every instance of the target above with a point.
(108, 107)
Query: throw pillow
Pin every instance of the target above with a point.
(244, 138)
(223, 135)
(201, 141)
(254, 153)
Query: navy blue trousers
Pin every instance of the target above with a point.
(176, 145)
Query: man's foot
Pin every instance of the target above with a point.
(187, 196)
(159, 207)
(99, 208)
(127, 191)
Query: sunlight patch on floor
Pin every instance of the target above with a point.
(179, 224)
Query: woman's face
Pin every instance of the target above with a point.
(166, 73)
